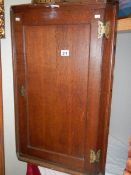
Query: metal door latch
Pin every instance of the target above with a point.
(22, 91)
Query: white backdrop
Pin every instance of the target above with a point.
(120, 124)
(120, 119)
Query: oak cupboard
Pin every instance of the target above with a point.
(63, 58)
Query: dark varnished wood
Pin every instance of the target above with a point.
(64, 112)
(74, 1)
(1, 126)
(106, 83)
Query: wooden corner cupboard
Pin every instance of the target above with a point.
(63, 58)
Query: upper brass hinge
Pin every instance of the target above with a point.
(103, 29)
(95, 156)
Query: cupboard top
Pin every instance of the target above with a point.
(94, 4)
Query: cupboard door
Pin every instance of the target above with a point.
(51, 76)
(56, 71)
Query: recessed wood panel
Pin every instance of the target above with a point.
(57, 101)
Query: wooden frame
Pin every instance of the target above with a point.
(2, 34)
(1, 128)
(124, 24)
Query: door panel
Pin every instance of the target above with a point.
(56, 88)
(57, 101)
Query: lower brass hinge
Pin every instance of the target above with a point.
(95, 156)
(103, 29)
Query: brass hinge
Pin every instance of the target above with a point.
(103, 29)
(95, 156)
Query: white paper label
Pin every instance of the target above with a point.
(17, 18)
(65, 53)
(97, 16)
